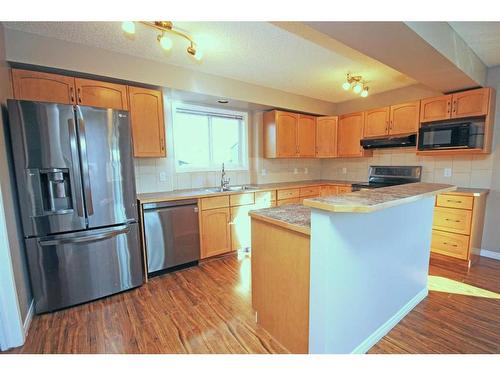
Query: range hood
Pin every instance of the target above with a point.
(408, 141)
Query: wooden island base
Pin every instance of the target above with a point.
(280, 283)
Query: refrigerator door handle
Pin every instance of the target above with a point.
(75, 160)
(86, 238)
(85, 166)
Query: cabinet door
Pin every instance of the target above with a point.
(43, 87)
(148, 131)
(326, 136)
(101, 94)
(216, 232)
(349, 134)
(404, 118)
(470, 103)
(241, 226)
(286, 134)
(376, 122)
(435, 109)
(306, 136)
(327, 191)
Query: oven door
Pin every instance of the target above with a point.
(444, 136)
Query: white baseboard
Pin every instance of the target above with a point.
(29, 318)
(489, 254)
(387, 326)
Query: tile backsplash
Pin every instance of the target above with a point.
(464, 171)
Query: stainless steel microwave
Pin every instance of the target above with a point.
(469, 134)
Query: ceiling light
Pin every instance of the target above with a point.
(357, 88)
(364, 93)
(128, 27)
(165, 42)
(346, 85)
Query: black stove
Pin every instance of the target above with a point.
(383, 176)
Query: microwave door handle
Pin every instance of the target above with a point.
(85, 165)
(73, 143)
(86, 238)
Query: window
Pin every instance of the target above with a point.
(204, 138)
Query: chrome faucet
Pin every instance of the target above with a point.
(224, 181)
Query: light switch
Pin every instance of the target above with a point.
(263, 172)
(447, 172)
(306, 170)
(344, 170)
(295, 171)
(163, 176)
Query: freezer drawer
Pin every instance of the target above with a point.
(82, 266)
(172, 234)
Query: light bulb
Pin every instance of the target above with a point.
(165, 42)
(198, 55)
(128, 27)
(364, 93)
(346, 85)
(357, 88)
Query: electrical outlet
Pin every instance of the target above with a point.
(295, 171)
(447, 172)
(344, 170)
(163, 176)
(306, 170)
(263, 172)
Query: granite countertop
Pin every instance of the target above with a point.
(377, 199)
(469, 191)
(296, 217)
(209, 192)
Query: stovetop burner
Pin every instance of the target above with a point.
(383, 176)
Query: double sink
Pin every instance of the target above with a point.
(241, 188)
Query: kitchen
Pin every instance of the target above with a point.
(186, 161)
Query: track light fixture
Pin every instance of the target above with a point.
(356, 84)
(165, 28)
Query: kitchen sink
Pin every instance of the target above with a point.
(232, 188)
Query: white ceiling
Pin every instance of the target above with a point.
(255, 52)
(483, 38)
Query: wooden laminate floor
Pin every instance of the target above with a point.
(207, 309)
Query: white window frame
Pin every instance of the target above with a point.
(243, 133)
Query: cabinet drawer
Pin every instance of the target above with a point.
(282, 202)
(288, 193)
(454, 201)
(214, 202)
(452, 220)
(344, 189)
(309, 191)
(455, 245)
(265, 196)
(241, 199)
(328, 190)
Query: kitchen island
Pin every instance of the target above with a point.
(337, 280)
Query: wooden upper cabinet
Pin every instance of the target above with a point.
(404, 118)
(376, 122)
(326, 136)
(43, 87)
(280, 134)
(435, 109)
(306, 136)
(101, 94)
(148, 129)
(349, 134)
(470, 103)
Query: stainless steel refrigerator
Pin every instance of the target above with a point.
(76, 188)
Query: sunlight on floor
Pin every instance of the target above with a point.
(443, 284)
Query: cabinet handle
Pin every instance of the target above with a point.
(454, 106)
(72, 94)
(390, 126)
(453, 201)
(448, 103)
(162, 143)
(387, 126)
(451, 244)
(79, 95)
(455, 221)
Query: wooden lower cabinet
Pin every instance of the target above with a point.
(457, 228)
(215, 232)
(282, 202)
(328, 190)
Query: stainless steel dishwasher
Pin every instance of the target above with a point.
(172, 234)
